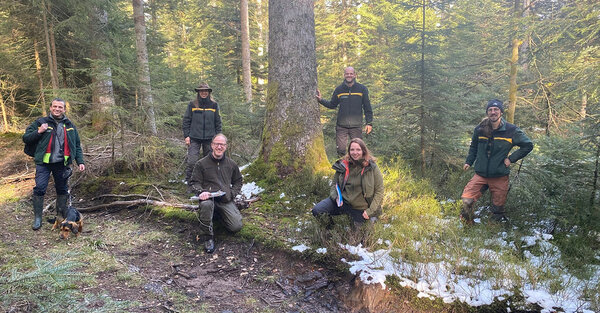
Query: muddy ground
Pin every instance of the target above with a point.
(158, 264)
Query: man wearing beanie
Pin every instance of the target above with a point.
(491, 143)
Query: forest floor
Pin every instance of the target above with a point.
(150, 262)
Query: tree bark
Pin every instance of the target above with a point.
(53, 74)
(102, 85)
(246, 73)
(292, 138)
(583, 109)
(145, 89)
(512, 91)
(422, 93)
(3, 106)
(38, 72)
(596, 169)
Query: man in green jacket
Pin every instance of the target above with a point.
(491, 143)
(217, 180)
(352, 99)
(57, 144)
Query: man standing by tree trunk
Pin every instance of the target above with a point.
(492, 140)
(57, 144)
(353, 100)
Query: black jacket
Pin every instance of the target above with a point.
(212, 175)
(353, 101)
(201, 122)
(488, 153)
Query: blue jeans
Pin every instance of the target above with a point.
(42, 177)
(329, 207)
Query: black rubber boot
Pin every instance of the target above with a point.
(61, 205)
(466, 214)
(498, 213)
(38, 207)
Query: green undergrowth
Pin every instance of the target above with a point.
(51, 284)
(417, 228)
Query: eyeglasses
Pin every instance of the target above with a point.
(216, 144)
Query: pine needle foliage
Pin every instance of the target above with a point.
(51, 285)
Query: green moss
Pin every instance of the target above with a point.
(177, 213)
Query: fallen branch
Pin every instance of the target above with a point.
(128, 203)
(19, 177)
(241, 204)
(135, 195)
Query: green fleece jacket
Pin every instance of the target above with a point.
(212, 174)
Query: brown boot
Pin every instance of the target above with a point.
(466, 214)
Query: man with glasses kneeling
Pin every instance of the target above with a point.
(217, 180)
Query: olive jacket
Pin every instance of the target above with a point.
(371, 182)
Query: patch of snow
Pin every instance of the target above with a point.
(322, 250)
(250, 189)
(300, 248)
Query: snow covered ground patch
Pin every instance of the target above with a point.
(250, 189)
(441, 279)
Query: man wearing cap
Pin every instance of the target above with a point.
(201, 123)
(57, 145)
(352, 99)
(491, 143)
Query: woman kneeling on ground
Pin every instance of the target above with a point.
(357, 186)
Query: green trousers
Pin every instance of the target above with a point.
(229, 213)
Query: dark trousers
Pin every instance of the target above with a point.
(193, 154)
(329, 207)
(343, 135)
(42, 177)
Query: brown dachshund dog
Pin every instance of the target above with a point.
(72, 223)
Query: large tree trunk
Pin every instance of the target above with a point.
(292, 137)
(246, 74)
(38, 72)
(102, 86)
(142, 59)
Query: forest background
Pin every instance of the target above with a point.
(430, 67)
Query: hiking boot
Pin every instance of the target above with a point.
(209, 246)
(38, 208)
(466, 213)
(498, 214)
